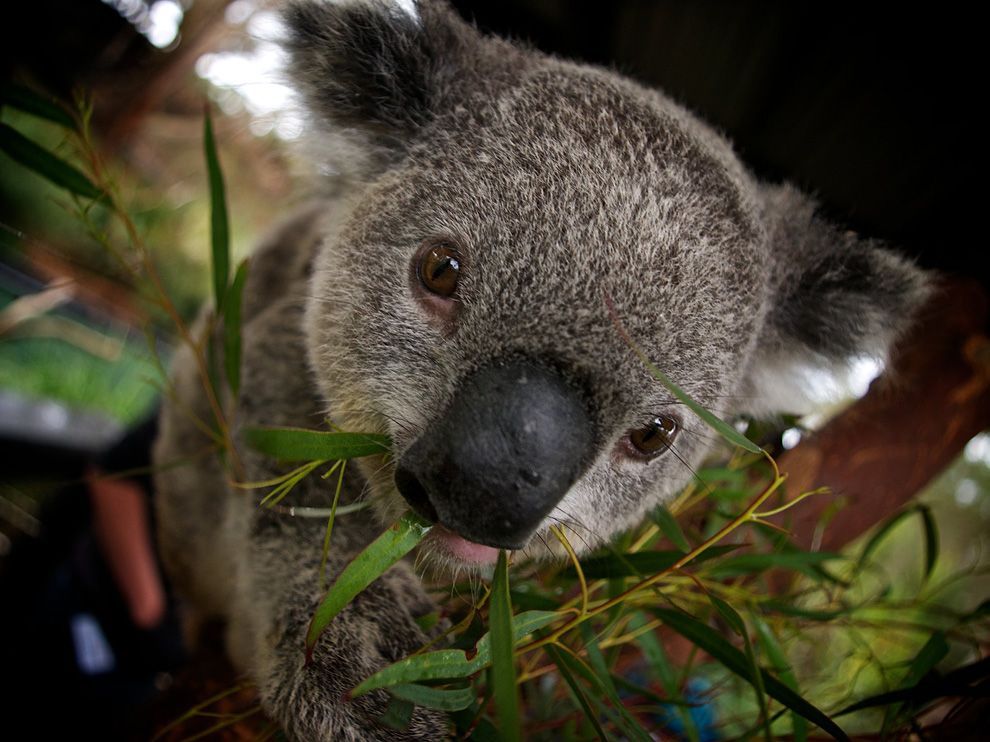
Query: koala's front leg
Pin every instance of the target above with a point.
(278, 592)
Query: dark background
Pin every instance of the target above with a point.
(872, 107)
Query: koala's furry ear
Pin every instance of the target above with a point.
(836, 297)
(374, 72)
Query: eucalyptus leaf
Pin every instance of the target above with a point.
(638, 564)
(449, 664)
(36, 104)
(219, 226)
(232, 328)
(364, 569)
(38, 159)
(709, 640)
(506, 692)
(442, 699)
(299, 444)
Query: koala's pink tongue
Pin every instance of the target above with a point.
(461, 548)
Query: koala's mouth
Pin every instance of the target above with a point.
(460, 548)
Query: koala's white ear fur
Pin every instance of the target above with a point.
(374, 72)
(835, 298)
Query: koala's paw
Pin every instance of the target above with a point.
(313, 702)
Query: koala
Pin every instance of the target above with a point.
(492, 214)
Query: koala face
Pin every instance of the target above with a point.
(501, 212)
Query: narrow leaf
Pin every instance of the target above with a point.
(931, 539)
(219, 228)
(232, 328)
(448, 664)
(443, 699)
(671, 529)
(36, 104)
(743, 564)
(775, 653)
(877, 538)
(734, 660)
(567, 666)
(641, 563)
(38, 159)
(298, 444)
(398, 715)
(503, 661)
(628, 724)
(364, 569)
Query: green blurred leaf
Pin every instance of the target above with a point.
(568, 666)
(503, 660)
(931, 653)
(968, 681)
(398, 714)
(658, 661)
(232, 328)
(449, 664)
(35, 103)
(734, 660)
(931, 539)
(670, 528)
(443, 699)
(800, 561)
(38, 159)
(628, 724)
(298, 444)
(219, 226)
(775, 653)
(364, 569)
(738, 626)
(638, 564)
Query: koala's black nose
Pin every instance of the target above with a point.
(506, 450)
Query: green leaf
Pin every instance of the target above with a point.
(671, 529)
(36, 158)
(743, 564)
(641, 563)
(443, 699)
(36, 104)
(219, 227)
(930, 530)
(603, 682)
(298, 444)
(709, 640)
(657, 659)
(933, 652)
(877, 538)
(503, 661)
(568, 666)
(931, 539)
(232, 328)
(788, 609)
(775, 653)
(398, 714)
(449, 664)
(364, 569)
(738, 626)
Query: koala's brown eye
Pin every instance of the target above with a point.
(440, 269)
(654, 439)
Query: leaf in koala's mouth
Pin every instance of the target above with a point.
(364, 569)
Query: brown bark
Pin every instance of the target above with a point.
(912, 423)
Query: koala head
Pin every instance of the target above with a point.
(493, 203)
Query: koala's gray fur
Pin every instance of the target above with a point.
(564, 184)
